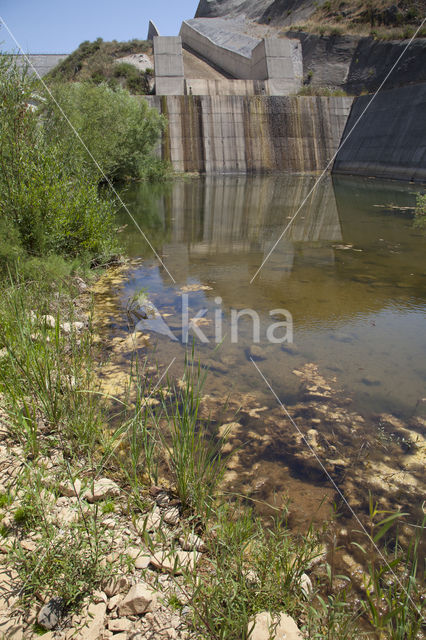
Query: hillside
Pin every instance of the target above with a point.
(126, 64)
(384, 19)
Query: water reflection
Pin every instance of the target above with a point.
(351, 270)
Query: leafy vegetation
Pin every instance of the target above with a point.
(50, 201)
(421, 205)
(99, 62)
(47, 206)
(118, 130)
(51, 215)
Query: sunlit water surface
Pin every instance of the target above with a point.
(351, 270)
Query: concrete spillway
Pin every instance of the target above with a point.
(225, 134)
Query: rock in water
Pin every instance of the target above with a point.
(256, 352)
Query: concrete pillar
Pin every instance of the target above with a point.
(168, 65)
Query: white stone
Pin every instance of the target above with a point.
(115, 586)
(11, 628)
(114, 601)
(94, 624)
(267, 628)
(140, 599)
(102, 489)
(99, 596)
(192, 542)
(162, 499)
(69, 489)
(306, 584)
(150, 521)
(119, 624)
(172, 516)
(66, 516)
(49, 321)
(251, 576)
(142, 562)
(174, 562)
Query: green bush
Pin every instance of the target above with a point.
(119, 130)
(46, 206)
(136, 81)
(420, 212)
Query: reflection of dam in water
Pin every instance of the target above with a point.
(234, 213)
(351, 273)
(349, 270)
(237, 216)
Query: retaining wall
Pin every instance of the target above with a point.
(390, 139)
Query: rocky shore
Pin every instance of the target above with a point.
(148, 554)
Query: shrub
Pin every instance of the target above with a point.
(420, 212)
(98, 56)
(119, 130)
(136, 82)
(421, 205)
(47, 205)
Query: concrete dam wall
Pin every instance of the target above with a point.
(41, 62)
(390, 139)
(229, 134)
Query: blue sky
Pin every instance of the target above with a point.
(58, 26)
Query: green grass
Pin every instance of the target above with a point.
(194, 458)
(320, 91)
(66, 562)
(49, 374)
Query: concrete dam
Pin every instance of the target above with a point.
(242, 113)
(228, 134)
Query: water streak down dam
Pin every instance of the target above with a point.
(226, 134)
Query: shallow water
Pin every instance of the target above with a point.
(351, 270)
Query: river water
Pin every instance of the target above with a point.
(351, 271)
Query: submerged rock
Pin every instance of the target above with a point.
(256, 353)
